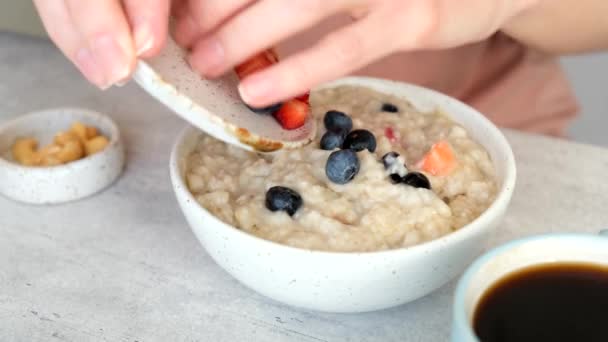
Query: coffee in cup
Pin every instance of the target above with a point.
(544, 288)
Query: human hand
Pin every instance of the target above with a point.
(103, 38)
(224, 33)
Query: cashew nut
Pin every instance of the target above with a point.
(24, 151)
(80, 130)
(49, 150)
(64, 137)
(91, 132)
(96, 144)
(70, 151)
(76, 143)
(50, 160)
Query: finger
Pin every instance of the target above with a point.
(177, 7)
(201, 17)
(338, 54)
(149, 21)
(179, 13)
(58, 23)
(106, 38)
(186, 30)
(251, 31)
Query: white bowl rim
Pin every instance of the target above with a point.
(501, 201)
(114, 138)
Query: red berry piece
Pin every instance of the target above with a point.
(292, 114)
(304, 97)
(256, 63)
(390, 134)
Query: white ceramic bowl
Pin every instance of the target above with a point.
(353, 282)
(63, 183)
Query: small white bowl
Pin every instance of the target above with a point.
(62, 183)
(353, 282)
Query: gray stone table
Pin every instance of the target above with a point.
(124, 266)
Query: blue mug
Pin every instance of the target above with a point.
(515, 255)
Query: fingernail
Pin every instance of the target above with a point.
(111, 58)
(256, 89)
(88, 66)
(121, 84)
(143, 37)
(210, 55)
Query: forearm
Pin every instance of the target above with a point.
(562, 26)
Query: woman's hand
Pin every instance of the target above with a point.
(224, 33)
(103, 38)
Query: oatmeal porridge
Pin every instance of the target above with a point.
(379, 175)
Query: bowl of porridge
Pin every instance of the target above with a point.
(396, 195)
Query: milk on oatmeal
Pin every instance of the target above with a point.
(373, 210)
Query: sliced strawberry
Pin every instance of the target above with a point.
(439, 160)
(271, 55)
(390, 134)
(292, 114)
(256, 63)
(251, 66)
(304, 97)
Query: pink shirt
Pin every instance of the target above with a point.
(514, 86)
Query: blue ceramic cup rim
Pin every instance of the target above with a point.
(460, 321)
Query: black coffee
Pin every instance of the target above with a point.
(552, 302)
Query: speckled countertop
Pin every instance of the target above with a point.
(124, 266)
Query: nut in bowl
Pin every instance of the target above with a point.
(347, 252)
(59, 155)
(78, 142)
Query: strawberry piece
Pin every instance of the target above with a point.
(256, 63)
(439, 160)
(292, 114)
(390, 134)
(304, 97)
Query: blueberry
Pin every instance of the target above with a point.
(337, 121)
(394, 164)
(331, 140)
(359, 140)
(342, 166)
(389, 159)
(389, 107)
(417, 180)
(396, 178)
(282, 198)
(266, 110)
